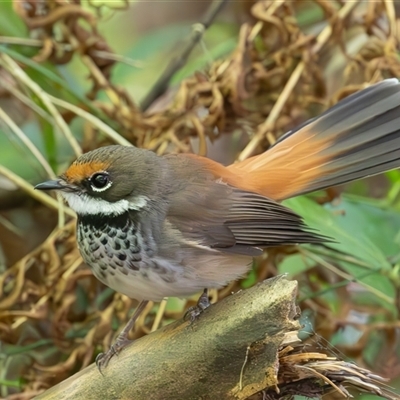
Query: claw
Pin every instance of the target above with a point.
(103, 359)
(202, 303)
(122, 341)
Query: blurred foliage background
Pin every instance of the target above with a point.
(76, 75)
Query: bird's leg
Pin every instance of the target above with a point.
(202, 303)
(122, 340)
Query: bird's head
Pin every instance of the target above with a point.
(110, 180)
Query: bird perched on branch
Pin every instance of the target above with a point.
(154, 226)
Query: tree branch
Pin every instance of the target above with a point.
(178, 62)
(205, 359)
(243, 347)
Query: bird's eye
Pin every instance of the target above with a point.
(100, 181)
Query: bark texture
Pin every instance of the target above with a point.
(230, 352)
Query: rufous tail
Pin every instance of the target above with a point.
(358, 137)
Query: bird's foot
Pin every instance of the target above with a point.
(122, 341)
(103, 359)
(202, 303)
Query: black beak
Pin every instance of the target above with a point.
(54, 185)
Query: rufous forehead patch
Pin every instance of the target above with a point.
(77, 172)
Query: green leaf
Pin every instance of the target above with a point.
(310, 14)
(16, 157)
(365, 235)
(350, 227)
(394, 176)
(47, 76)
(156, 50)
(251, 278)
(10, 23)
(219, 40)
(295, 264)
(175, 304)
(10, 349)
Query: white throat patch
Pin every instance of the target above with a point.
(87, 205)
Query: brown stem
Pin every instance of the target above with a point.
(178, 62)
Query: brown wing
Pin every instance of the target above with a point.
(220, 216)
(258, 221)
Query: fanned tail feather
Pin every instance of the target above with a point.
(358, 137)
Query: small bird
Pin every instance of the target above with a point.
(154, 226)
